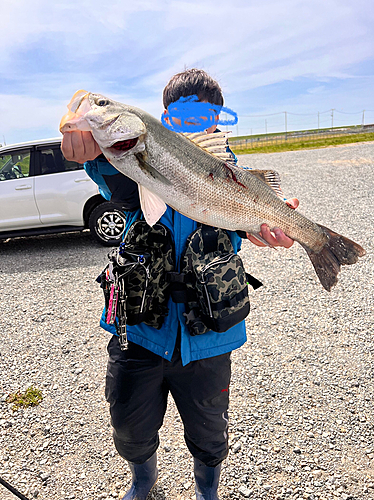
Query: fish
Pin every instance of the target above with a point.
(196, 176)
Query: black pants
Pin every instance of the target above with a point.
(137, 386)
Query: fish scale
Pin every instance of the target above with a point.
(172, 169)
(221, 201)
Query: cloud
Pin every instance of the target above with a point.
(129, 50)
(315, 90)
(37, 115)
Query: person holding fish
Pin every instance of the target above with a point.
(194, 365)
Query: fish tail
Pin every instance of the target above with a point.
(338, 251)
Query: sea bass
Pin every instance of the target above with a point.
(195, 176)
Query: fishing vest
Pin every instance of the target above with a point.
(141, 276)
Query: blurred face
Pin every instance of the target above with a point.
(190, 124)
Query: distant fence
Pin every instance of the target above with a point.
(255, 141)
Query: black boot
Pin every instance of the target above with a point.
(206, 481)
(144, 477)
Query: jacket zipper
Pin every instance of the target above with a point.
(221, 260)
(145, 288)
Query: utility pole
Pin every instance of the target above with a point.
(363, 118)
(332, 119)
(285, 122)
(318, 120)
(266, 129)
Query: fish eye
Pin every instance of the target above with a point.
(102, 102)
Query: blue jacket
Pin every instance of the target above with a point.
(162, 341)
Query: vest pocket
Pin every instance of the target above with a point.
(222, 291)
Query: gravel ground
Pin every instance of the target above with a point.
(301, 412)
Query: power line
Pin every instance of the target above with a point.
(261, 116)
(294, 121)
(306, 114)
(345, 113)
(301, 114)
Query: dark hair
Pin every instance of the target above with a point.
(190, 82)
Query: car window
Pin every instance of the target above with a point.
(52, 161)
(15, 165)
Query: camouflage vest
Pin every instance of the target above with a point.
(212, 282)
(140, 277)
(134, 282)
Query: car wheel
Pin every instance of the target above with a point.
(107, 224)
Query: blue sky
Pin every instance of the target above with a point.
(302, 57)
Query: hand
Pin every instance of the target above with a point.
(79, 146)
(276, 238)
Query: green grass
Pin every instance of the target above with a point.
(24, 164)
(327, 130)
(294, 145)
(3, 161)
(31, 397)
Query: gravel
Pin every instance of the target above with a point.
(301, 411)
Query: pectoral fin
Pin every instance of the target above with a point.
(152, 206)
(149, 170)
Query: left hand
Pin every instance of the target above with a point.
(275, 238)
(79, 146)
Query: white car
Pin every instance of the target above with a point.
(42, 192)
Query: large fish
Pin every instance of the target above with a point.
(173, 169)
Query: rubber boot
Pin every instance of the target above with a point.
(144, 477)
(206, 481)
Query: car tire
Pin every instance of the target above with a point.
(107, 224)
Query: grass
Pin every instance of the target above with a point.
(3, 161)
(327, 130)
(23, 163)
(300, 143)
(31, 397)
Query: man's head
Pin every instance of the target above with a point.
(193, 82)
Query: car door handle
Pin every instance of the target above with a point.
(82, 180)
(23, 186)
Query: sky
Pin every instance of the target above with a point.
(305, 58)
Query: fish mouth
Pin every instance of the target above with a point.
(125, 145)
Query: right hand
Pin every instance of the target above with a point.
(79, 146)
(275, 238)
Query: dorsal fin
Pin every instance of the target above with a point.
(215, 144)
(271, 178)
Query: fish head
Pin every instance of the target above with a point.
(115, 127)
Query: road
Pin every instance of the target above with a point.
(301, 412)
